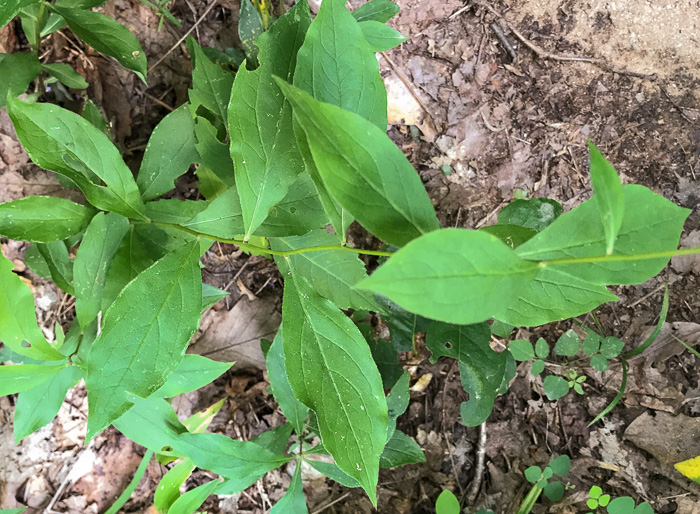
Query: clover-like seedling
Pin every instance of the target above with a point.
(597, 498)
(523, 350)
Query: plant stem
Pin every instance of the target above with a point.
(37, 35)
(623, 258)
(132, 485)
(280, 253)
(530, 499)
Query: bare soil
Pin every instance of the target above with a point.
(496, 115)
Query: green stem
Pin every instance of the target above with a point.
(623, 258)
(114, 509)
(687, 346)
(280, 253)
(530, 499)
(37, 35)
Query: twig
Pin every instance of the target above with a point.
(411, 89)
(678, 107)
(488, 125)
(459, 11)
(634, 304)
(541, 52)
(331, 503)
(480, 463)
(159, 102)
(504, 40)
(179, 42)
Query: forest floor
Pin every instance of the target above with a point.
(501, 111)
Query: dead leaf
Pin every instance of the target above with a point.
(235, 335)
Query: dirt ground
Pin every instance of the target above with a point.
(505, 95)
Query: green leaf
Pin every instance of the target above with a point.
(397, 402)
(37, 406)
(560, 466)
(17, 71)
(611, 347)
(554, 491)
(250, 27)
(61, 141)
(403, 325)
(541, 348)
(169, 154)
(376, 10)
(193, 372)
(144, 335)
(622, 505)
(331, 371)
(512, 235)
(433, 284)
(568, 344)
(100, 243)
(222, 218)
(333, 273)
(275, 440)
(189, 502)
(385, 356)
(18, 318)
(36, 263)
(500, 329)
(481, 369)
(211, 84)
(552, 295)
(533, 474)
(20, 377)
(537, 367)
(536, 213)
(643, 508)
(599, 363)
(447, 503)
(595, 492)
(608, 195)
(295, 411)
(65, 74)
(60, 265)
(43, 219)
(154, 424)
(579, 234)
(334, 473)
(211, 295)
(298, 213)
(174, 211)
(244, 461)
(400, 450)
(521, 349)
(592, 343)
(107, 36)
(555, 387)
(134, 256)
(336, 65)
(168, 489)
(9, 10)
(95, 117)
(212, 153)
(351, 155)
(263, 147)
(293, 500)
(381, 37)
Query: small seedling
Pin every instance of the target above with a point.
(541, 480)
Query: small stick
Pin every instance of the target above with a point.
(541, 52)
(480, 463)
(179, 42)
(504, 40)
(460, 11)
(159, 102)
